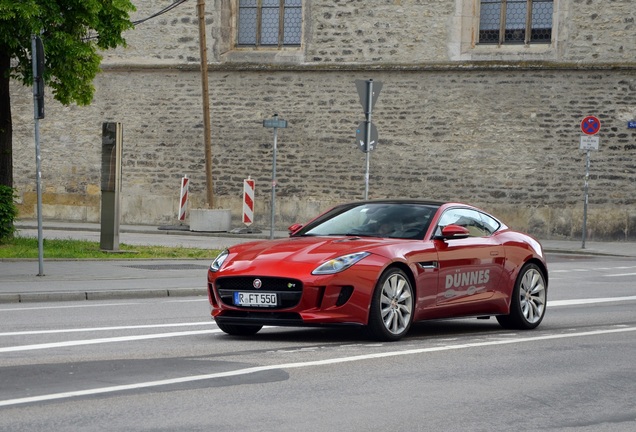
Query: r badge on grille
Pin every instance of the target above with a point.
(257, 283)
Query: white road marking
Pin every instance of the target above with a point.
(104, 340)
(94, 329)
(553, 303)
(331, 361)
(580, 270)
(623, 274)
(79, 305)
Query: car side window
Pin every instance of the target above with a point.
(467, 218)
(490, 223)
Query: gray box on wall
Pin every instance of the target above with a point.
(112, 144)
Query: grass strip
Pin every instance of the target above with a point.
(25, 247)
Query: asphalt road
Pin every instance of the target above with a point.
(162, 365)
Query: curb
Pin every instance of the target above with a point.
(61, 296)
(583, 252)
(255, 233)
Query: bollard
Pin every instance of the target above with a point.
(248, 201)
(183, 199)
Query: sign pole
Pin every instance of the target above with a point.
(586, 188)
(271, 230)
(274, 123)
(37, 60)
(367, 136)
(367, 133)
(590, 126)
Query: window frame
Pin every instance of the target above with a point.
(259, 22)
(486, 228)
(503, 29)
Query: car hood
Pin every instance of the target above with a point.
(297, 254)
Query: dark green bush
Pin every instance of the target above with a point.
(8, 212)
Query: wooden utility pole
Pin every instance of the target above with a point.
(206, 104)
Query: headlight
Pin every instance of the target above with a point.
(219, 260)
(339, 264)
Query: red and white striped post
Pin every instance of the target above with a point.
(183, 200)
(248, 201)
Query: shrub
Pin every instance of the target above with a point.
(8, 212)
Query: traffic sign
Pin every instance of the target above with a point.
(362, 87)
(589, 142)
(360, 132)
(590, 125)
(275, 123)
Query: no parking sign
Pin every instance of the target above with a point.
(590, 125)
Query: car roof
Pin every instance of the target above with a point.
(400, 201)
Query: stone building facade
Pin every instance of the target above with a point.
(495, 125)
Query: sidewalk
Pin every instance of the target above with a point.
(66, 280)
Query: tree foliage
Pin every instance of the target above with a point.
(8, 213)
(73, 32)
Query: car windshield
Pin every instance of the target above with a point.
(394, 220)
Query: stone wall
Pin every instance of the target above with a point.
(502, 134)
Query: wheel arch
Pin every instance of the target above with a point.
(517, 317)
(407, 271)
(541, 265)
(376, 328)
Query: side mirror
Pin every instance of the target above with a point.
(293, 228)
(453, 232)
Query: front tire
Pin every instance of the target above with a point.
(239, 330)
(391, 311)
(528, 302)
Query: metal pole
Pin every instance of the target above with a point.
(271, 230)
(206, 104)
(586, 188)
(369, 108)
(38, 165)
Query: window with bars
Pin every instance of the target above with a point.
(269, 23)
(515, 21)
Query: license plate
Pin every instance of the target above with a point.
(255, 299)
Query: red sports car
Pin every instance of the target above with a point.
(383, 265)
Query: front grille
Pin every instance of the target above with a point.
(269, 284)
(288, 291)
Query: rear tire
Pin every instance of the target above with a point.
(239, 330)
(528, 301)
(391, 311)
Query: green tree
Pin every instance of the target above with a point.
(72, 31)
(8, 213)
